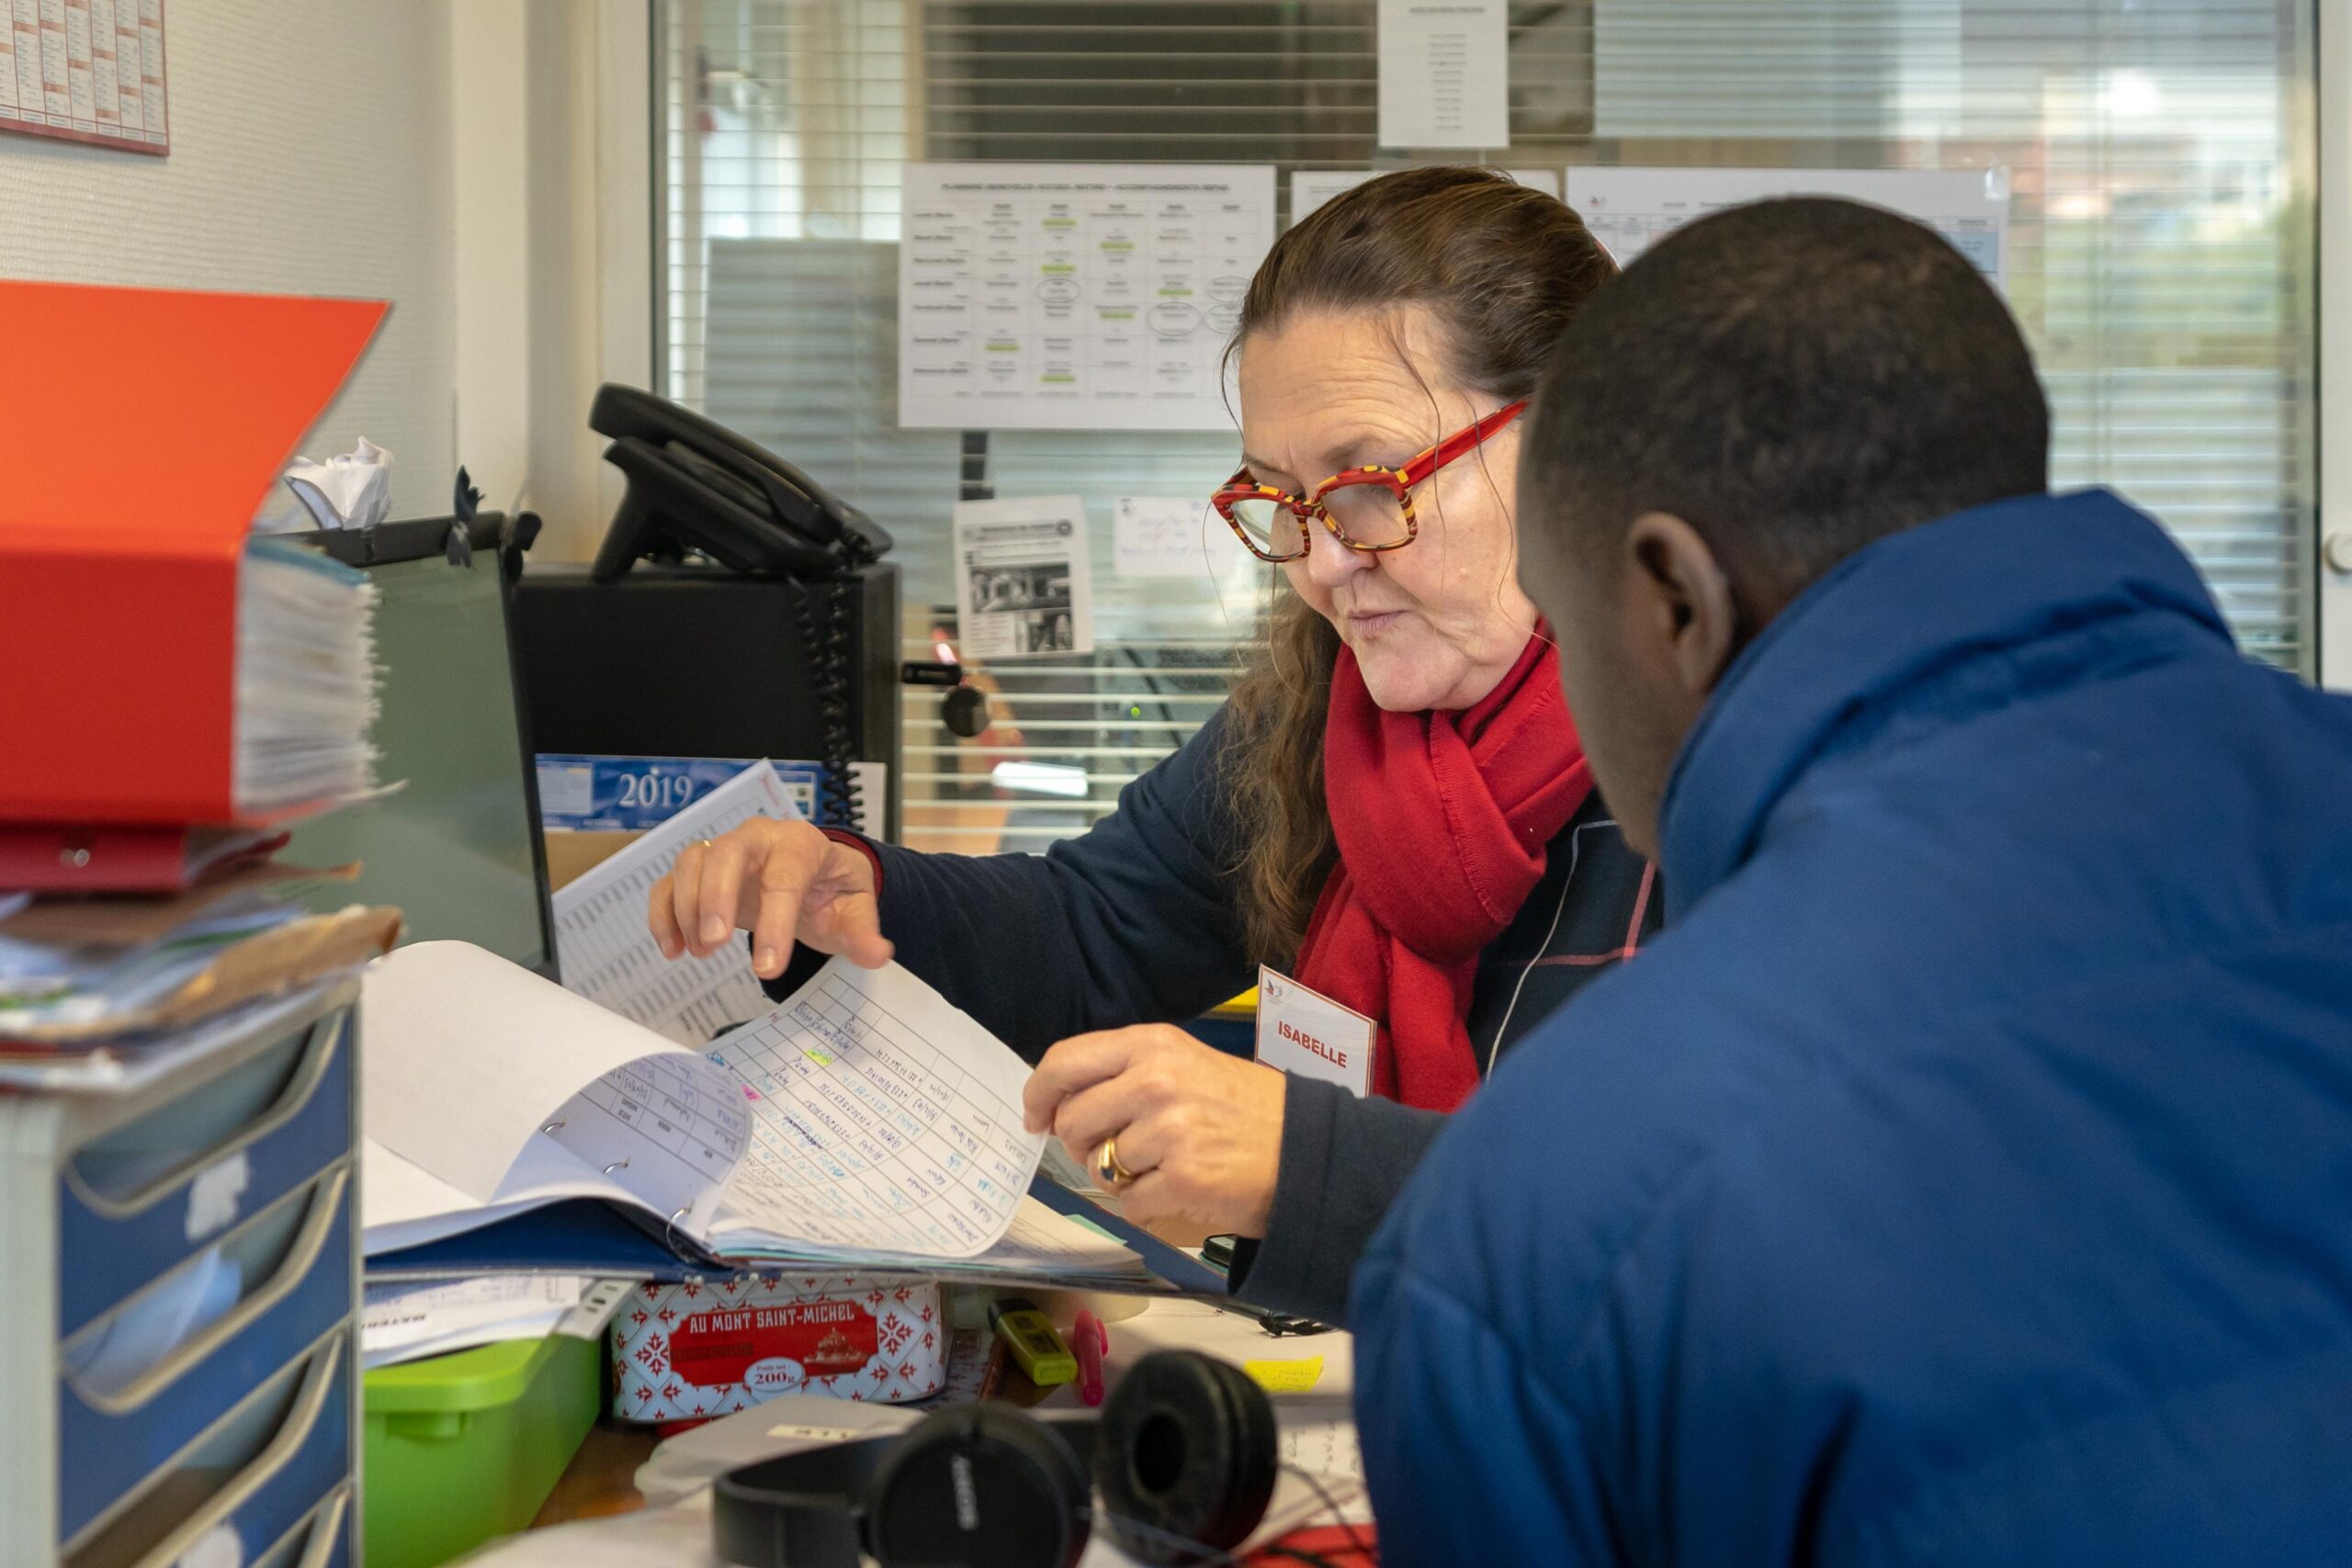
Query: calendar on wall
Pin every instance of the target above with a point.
(85, 70)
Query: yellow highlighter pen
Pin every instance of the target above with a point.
(1038, 1350)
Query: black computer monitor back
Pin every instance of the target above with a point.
(698, 662)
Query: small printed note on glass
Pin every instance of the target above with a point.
(1444, 74)
(1159, 536)
(1025, 583)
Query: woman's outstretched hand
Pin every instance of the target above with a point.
(784, 882)
(1201, 1130)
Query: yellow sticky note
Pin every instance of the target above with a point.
(1286, 1377)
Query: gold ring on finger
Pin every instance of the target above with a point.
(1109, 1168)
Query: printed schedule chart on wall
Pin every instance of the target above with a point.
(1628, 210)
(85, 70)
(1075, 296)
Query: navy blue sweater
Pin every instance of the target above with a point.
(1135, 922)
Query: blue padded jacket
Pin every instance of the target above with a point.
(1965, 1176)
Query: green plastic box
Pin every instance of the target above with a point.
(459, 1448)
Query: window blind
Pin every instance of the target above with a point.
(2162, 262)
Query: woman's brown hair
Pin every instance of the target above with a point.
(1500, 268)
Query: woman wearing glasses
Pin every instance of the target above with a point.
(1392, 809)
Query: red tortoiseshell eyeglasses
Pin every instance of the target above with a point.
(1367, 509)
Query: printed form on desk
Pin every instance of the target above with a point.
(606, 951)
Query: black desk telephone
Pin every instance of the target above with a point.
(703, 499)
(694, 485)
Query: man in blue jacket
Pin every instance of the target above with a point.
(1966, 1175)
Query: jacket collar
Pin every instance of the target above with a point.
(1965, 586)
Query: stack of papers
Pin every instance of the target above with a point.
(306, 680)
(46, 985)
(86, 982)
(182, 918)
(404, 1322)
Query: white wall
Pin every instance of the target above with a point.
(587, 214)
(484, 164)
(311, 153)
(552, 101)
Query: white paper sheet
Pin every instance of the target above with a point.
(1160, 535)
(408, 1321)
(1075, 296)
(1024, 579)
(607, 953)
(883, 1120)
(1327, 1449)
(1047, 1242)
(452, 1027)
(1444, 74)
(395, 1316)
(1310, 189)
(1629, 209)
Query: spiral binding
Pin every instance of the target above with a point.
(828, 622)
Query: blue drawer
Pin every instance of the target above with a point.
(111, 1441)
(264, 1473)
(323, 1541)
(129, 1207)
(316, 1461)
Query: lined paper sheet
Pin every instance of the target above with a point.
(607, 953)
(882, 1120)
(467, 1054)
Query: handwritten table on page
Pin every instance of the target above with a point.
(606, 952)
(660, 1100)
(876, 1123)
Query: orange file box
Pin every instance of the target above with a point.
(140, 429)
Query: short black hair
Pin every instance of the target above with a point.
(1794, 378)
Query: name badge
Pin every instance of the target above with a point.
(1303, 1032)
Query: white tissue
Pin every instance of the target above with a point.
(353, 490)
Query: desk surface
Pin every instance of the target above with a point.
(603, 1519)
(600, 1480)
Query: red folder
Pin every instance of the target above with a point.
(51, 857)
(140, 430)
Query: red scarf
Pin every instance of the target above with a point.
(1443, 821)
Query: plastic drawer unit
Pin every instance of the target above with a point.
(178, 1304)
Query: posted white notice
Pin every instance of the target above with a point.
(1629, 209)
(1165, 536)
(1024, 577)
(1444, 74)
(1075, 296)
(1310, 189)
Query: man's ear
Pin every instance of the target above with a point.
(1687, 600)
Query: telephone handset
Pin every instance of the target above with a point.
(698, 486)
(695, 485)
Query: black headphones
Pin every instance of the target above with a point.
(1183, 1454)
